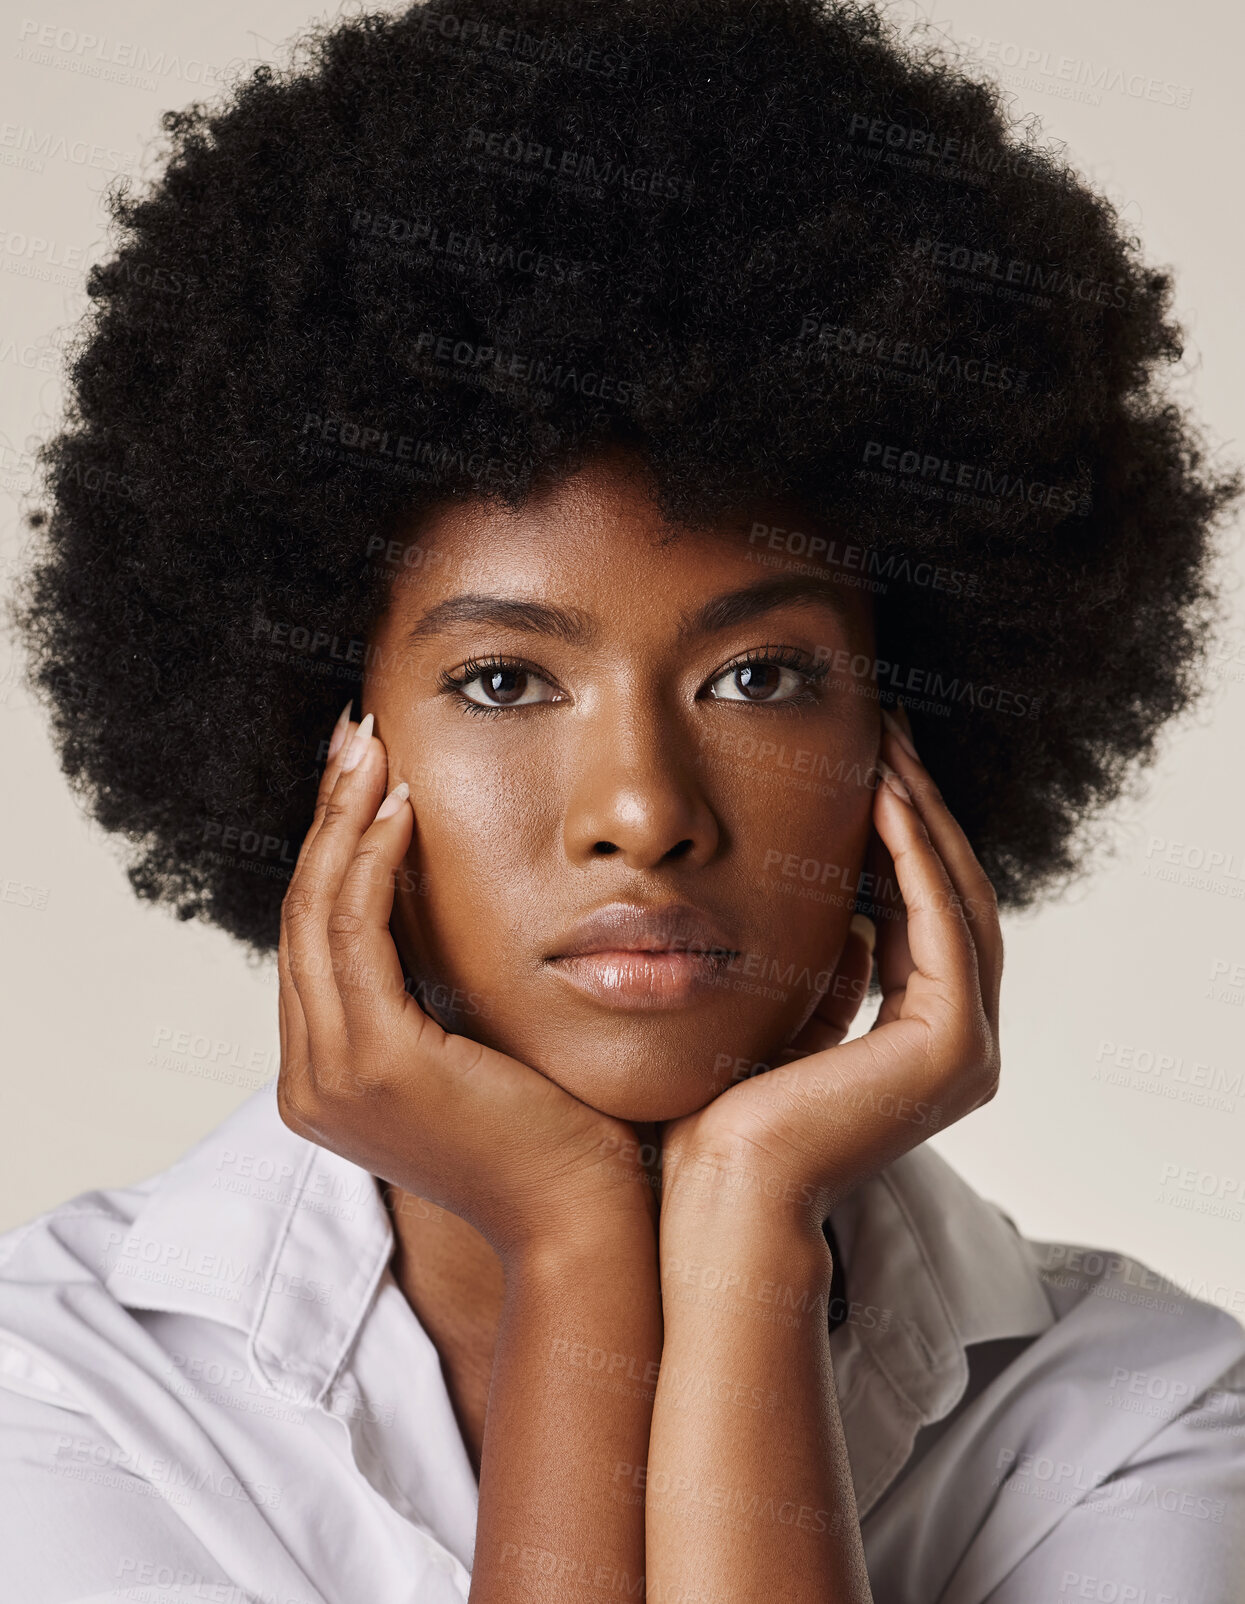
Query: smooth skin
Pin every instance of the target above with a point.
(630, 766)
(529, 1229)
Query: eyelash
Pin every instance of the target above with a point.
(453, 680)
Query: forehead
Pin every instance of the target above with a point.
(594, 542)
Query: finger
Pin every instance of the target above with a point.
(942, 950)
(840, 1002)
(341, 732)
(295, 1066)
(970, 880)
(924, 1059)
(893, 955)
(370, 977)
(900, 715)
(291, 1021)
(339, 743)
(933, 1058)
(350, 806)
(294, 1074)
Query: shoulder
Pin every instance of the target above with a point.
(53, 1267)
(1122, 1463)
(1090, 1420)
(78, 1518)
(1135, 1341)
(117, 1469)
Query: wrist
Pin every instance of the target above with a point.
(587, 1247)
(710, 1193)
(757, 1293)
(743, 1246)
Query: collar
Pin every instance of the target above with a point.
(269, 1233)
(286, 1241)
(931, 1268)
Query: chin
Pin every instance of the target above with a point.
(643, 1065)
(643, 1077)
(641, 1100)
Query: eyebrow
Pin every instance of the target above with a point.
(752, 601)
(502, 612)
(731, 608)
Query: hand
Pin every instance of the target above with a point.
(367, 1073)
(813, 1128)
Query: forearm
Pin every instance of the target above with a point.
(749, 1488)
(569, 1411)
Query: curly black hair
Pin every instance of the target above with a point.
(775, 245)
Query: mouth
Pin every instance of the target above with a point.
(628, 955)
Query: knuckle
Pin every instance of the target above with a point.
(370, 862)
(929, 789)
(986, 1058)
(346, 923)
(426, 1036)
(988, 1083)
(979, 1045)
(298, 904)
(967, 1048)
(354, 1075)
(335, 810)
(293, 1105)
(309, 969)
(353, 976)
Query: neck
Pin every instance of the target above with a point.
(453, 1280)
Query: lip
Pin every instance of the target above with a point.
(630, 955)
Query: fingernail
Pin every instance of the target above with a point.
(358, 746)
(392, 802)
(895, 783)
(865, 929)
(339, 729)
(897, 730)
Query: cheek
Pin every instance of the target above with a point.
(473, 793)
(484, 833)
(800, 805)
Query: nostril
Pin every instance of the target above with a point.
(604, 849)
(680, 848)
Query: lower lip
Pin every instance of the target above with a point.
(644, 979)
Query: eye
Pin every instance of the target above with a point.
(497, 684)
(765, 678)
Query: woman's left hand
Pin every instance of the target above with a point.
(811, 1129)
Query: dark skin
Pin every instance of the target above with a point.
(593, 545)
(453, 1280)
(629, 785)
(429, 1031)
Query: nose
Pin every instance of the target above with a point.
(637, 797)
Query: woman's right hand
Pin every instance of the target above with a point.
(367, 1073)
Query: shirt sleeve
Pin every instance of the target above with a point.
(1167, 1527)
(78, 1525)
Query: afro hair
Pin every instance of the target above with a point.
(775, 245)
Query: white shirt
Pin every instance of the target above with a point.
(212, 1389)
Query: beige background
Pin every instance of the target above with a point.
(128, 1035)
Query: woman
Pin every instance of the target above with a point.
(587, 389)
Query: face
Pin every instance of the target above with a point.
(639, 762)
